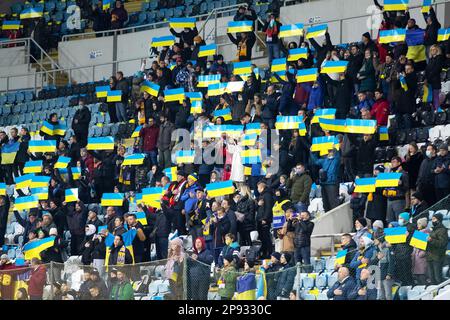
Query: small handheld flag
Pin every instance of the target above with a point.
(340, 257)
(419, 240)
(207, 50)
(395, 235)
(163, 41)
(316, 31)
(182, 22)
(291, 30)
(71, 195)
(104, 143)
(112, 199)
(240, 26)
(221, 188)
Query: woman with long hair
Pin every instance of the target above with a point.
(174, 268)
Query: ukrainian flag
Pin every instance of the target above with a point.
(323, 144)
(9, 152)
(288, 122)
(254, 127)
(171, 173)
(141, 217)
(165, 41)
(136, 131)
(316, 31)
(39, 182)
(195, 96)
(213, 131)
(222, 188)
(26, 203)
(31, 13)
(71, 195)
(23, 181)
(172, 66)
(307, 75)
(216, 89)
(196, 107)
(150, 87)
(365, 185)
(295, 54)
(59, 129)
(106, 4)
(41, 193)
(240, 26)
(136, 159)
(206, 80)
(240, 68)
(174, 95)
(2, 189)
(388, 179)
(278, 65)
(334, 67)
(323, 114)
(302, 129)
(52, 130)
(419, 240)
(336, 125)
(105, 143)
(112, 199)
(185, 156)
(34, 248)
(233, 130)
(76, 173)
(262, 284)
(394, 35)
(415, 40)
(11, 25)
(249, 140)
(152, 196)
(224, 113)
(384, 133)
(395, 5)
(395, 235)
(291, 30)
(426, 6)
(102, 91)
(427, 94)
(114, 96)
(340, 257)
(246, 287)
(443, 34)
(251, 156)
(47, 128)
(62, 162)
(360, 126)
(182, 22)
(207, 50)
(403, 83)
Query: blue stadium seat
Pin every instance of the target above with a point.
(197, 1)
(64, 112)
(11, 98)
(50, 6)
(153, 4)
(16, 109)
(331, 279)
(39, 6)
(20, 97)
(28, 117)
(142, 18)
(151, 16)
(23, 108)
(3, 99)
(322, 296)
(403, 292)
(210, 6)
(308, 282)
(38, 105)
(114, 129)
(225, 3)
(145, 6)
(161, 14)
(217, 4)
(188, 2)
(309, 296)
(321, 281)
(203, 8)
(35, 116)
(178, 12)
(60, 6)
(169, 13)
(16, 8)
(58, 16)
(107, 118)
(22, 118)
(28, 96)
(106, 130)
(188, 10)
(52, 103)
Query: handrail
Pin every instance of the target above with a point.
(429, 291)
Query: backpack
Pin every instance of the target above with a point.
(252, 254)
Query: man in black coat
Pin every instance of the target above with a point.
(344, 287)
(80, 123)
(405, 96)
(425, 178)
(303, 228)
(186, 36)
(121, 107)
(101, 18)
(264, 218)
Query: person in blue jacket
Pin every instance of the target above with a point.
(328, 176)
(364, 289)
(364, 257)
(286, 277)
(343, 287)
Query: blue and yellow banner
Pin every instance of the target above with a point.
(340, 257)
(388, 179)
(254, 127)
(360, 126)
(62, 163)
(426, 6)
(152, 197)
(23, 181)
(114, 96)
(298, 53)
(33, 167)
(240, 26)
(246, 287)
(251, 156)
(136, 159)
(141, 217)
(76, 173)
(262, 284)
(278, 65)
(196, 107)
(104, 143)
(112, 200)
(217, 89)
(164, 41)
(174, 95)
(11, 25)
(249, 140)
(182, 23)
(365, 185)
(26, 203)
(324, 144)
(395, 235)
(394, 35)
(307, 75)
(205, 80)
(240, 68)
(427, 94)
(195, 96)
(185, 156)
(222, 188)
(323, 114)
(106, 4)
(41, 193)
(171, 173)
(30, 13)
(395, 5)
(224, 113)
(2, 189)
(102, 91)
(53, 130)
(419, 240)
(136, 132)
(34, 248)
(443, 34)
(288, 122)
(39, 181)
(334, 67)
(71, 195)
(9, 152)
(42, 146)
(150, 87)
(291, 30)
(316, 31)
(384, 134)
(207, 50)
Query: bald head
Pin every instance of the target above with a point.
(343, 273)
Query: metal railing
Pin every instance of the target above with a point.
(332, 239)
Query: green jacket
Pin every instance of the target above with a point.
(229, 275)
(122, 291)
(300, 186)
(437, 247)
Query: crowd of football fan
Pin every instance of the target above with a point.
(369, 89)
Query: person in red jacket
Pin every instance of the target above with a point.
(37, 280)
(380, 109)
(149, 136)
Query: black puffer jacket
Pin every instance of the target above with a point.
(247, 206)
(302, 230)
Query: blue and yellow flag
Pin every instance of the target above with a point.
(114, 96)
(426, 6)
(41, 193)
(419, 240)
(30, 13)
(340, 257)
(39, 181)
(323, 114)
(324, 144)
(246, 287)
(11, 25)
(141, 217)
(196, 107)
(365, 185)
(185, 156)
(302, 129)
(195, 96)
(112, 200)
(171, 173)
(2, 189)
(262, 284)
(224, 113)
(240, 26)
(207, 50)
(33, 167)
(395, 5)
(135, 159)
(222, 188)
(427, 94)
(76, 173)
(251, 156)
(104, 143)
(249, 140)
(152, 197)
(291, 30)
(23, 181)
(106, 4)
(298, 53)
(415, 40)
(307, 75)
(174, 95)
(360, 126)
(52, 130)
(395, 235)
(288, 122)
(240, 68)
(164, 41)
(278, 65)
(62, 163)
(388, 179)
(26, 203)
(393, 35)
(384, 134)
(217, 89)
(102, 91)
(205, 80)
(150, 87)
(443, 34)
(316, 31)
(71, 195)
(254, 127)
(34, 248)
(9, 152)
(403, 83)
(334, 67)
(136, 132)
(336, 125)
(182, 22)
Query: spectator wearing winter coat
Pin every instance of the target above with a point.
(367, 73)
(362, 290)
(53, 120)
(380, 109)
(287, 105)
(186, 36)
(299, 184)
(397, 196)
(121, 106)
(436, 248)
(37, 280)
(322, 50)
(343, 287)
(76, 215)
(431, 30)
(80, 123)
(419, 261)
(4, 212)
(231, 247)
(405, 96)
(441, 169)
(285, 281)
(122, 289)
(221, 225)
(361, 229)
(119, 254)
(119, 16)
(245, 205)
(418, 207)
(199, 271)
(364, 256)
(433, 71)
(22, 155)
(101, 19)
(347, 243)
(425, 178)
(244, 43)
(264, 218)
(219, 66)
(272, 29)
(376, 202)
(149, 135)
(227, 279)
(164, 142)
(302, 227)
